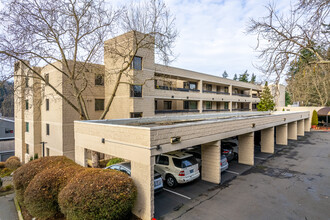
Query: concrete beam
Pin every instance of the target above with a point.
(267, 140)
(307, 125)
(292, 130)
(143, 177)
(246, 149)
(211, 159)
(282, 134)
(300, 128)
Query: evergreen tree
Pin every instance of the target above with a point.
(266, 100)
(244, 77)
(235, 77)
(287, 98)
(315, 119)
(225, 74)
(253, 78)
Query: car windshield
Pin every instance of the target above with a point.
(186, 162)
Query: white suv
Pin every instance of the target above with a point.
(177, 167)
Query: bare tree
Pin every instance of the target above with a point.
(283, 37)
(72, 33)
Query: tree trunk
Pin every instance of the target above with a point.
(95, 159)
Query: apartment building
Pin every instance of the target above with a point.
(44, 121)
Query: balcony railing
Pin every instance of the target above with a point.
(175, 111)
(215, 92)
(243, 95)
(255, 96)
(241, 109)
(215, 110)
(176, 89)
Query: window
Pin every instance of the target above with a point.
(186, 162)
(136, 91)
(27, 149)
(99, 80)
(47, 78)
(26, 104)
(226, 89)
(47, 152)
(208, 87)
(99, 104)
(156, 104)
(226, 105)
(9, 131)
(136, 114)
(190, 104)
(208, 105)
(26, 81)
(27, 126)
(167, 105)
(47, 104)
(218, 88)
(47, 129)
(137, 63)
(192, 85)
(186, 85)
(163, 160)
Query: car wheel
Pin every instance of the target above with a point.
(236, 156)
(171, 181)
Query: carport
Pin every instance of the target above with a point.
(140, 140)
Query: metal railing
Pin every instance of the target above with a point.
(176, 89)
(175, 111)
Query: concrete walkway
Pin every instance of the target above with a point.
(7, 208)
(293, 184)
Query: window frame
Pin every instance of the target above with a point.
(168, 105)
(26, 104)
(188, 107)
(47, 78)
(47, 129)
(132, 114)
(193, 83)
(96, 106)
(27, 148)
(27, 127)
(208, 105)
(99, 81)
(208, 87)
(164, 164)
(47, 104)
(133, 92)
(133, 67)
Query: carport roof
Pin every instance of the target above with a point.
(161, 121)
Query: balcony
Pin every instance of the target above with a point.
(176, 89)
(215, 92)
(243, 95)
(216, 110)
(255, 96)
(175, 111)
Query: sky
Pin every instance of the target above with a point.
(212, 35)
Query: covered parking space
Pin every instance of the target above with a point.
(141, 140)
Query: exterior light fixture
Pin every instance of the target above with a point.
(253, 125)
(284, 119)
(172, 96)
(187, 97)
(175, 140)
(103, 140)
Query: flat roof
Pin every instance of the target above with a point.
(161, 121)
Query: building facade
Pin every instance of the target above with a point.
(44, 121)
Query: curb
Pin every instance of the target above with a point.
(18, 209)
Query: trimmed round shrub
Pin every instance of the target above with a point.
(98, 194)
(23, 175)
(13, 163)
(41, 195)
(2, 165)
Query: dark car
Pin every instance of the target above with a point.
(230, 150)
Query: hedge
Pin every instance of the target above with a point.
(23, 175)
(41, 195)
(98, 194)
(13, 163)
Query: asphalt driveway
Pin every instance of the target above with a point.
(292, 184)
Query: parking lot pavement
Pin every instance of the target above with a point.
(292, 184)
(172, 199)
(7, 208)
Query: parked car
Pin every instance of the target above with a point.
(177, 167)
(126, 168)
(196, 152)
(230, 150)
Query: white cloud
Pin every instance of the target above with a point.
(212, 34)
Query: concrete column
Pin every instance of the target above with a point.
(282, 134)
(307, 125)
(300, 128)
(211, 159)
(79, 156)
(143, 177)
(246, 149)
(200, 86)
(250, 106)
(267, 140)
(231, 90)
(200, 106)
(231, 106)
(292, 130)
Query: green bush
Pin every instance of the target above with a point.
(98, 194)
(114, 161)
(315, 119)
(5, 172)
(36, 156)
(41, 195)
(23, 175)
(6, 188)
(2, 165)
(13, 163)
